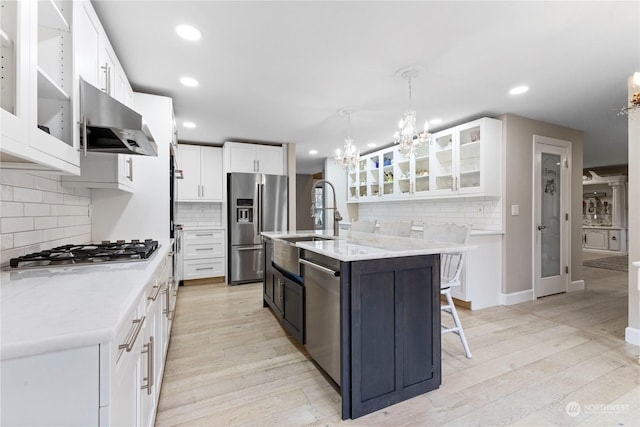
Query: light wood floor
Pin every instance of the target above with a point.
(231, 364)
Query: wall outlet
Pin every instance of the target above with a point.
(480, 209)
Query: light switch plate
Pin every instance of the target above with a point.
(515, 210)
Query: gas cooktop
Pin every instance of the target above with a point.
(91, 253)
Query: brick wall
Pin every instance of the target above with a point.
(38, 213)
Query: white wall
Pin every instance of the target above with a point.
(145, 213)
(38, 213)
(518, 253)
(632, 333)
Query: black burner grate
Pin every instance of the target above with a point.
(106, 251)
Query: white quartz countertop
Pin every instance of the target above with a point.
(50, 309)
(365, 246)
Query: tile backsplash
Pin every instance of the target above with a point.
(482, 213)
(38, 213)
(199, 214)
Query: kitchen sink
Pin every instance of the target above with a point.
(285, 251)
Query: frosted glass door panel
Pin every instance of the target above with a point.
(550, 215)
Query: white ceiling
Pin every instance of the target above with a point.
(279, 71)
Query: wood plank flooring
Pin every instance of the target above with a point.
(231, 364)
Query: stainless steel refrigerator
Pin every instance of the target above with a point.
(256, 203)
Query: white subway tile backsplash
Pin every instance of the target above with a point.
(209, 214)
(38, 213)
(15, 225)
(482, 213)
(28, 238)
(10, 209)
(26, 195)
(36, 209)
(6, 241)
(45, 222)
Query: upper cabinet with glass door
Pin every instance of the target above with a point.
(467, 159)
(40, 131)
(464, 160)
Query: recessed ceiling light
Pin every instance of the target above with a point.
(189, 81)
(188, 32)
(435, 121)
(313, 152)
(189, 125)
(371, 144)
(518, 90)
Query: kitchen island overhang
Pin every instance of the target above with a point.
(389, 328)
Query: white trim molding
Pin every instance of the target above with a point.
(632, 335)
(516, 297)
(576, 285)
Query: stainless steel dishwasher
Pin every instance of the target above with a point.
(321, 277)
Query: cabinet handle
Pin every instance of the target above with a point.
(105, 69)
(613, 238)
(83, 124)
(129, 346)
(204, 268)
(204, 249)
(203, 191)
(130, 176)
(155, 295)
(319, 267)
(149, 377)
(204, 235)
(167, 306)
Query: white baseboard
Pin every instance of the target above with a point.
(516, 297)
(632, 335)
(576, 285)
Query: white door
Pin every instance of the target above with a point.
(551, 225)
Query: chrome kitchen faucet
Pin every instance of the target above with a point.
(336, 214)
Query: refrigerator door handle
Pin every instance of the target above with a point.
(260, 204)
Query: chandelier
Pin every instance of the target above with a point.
(407, 135)
(634, 102)
(348, 158)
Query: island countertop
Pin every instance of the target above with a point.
(357, 246)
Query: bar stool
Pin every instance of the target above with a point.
(395, 228)
(450, 267)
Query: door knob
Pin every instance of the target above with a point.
(541, 227)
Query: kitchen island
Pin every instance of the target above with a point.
(370, 312)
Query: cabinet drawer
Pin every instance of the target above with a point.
(203, 250)
(201, 268)
(614, 240)
(203, 236)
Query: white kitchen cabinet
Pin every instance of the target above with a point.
(254, 158)
(467, 159)
(100, 384)
(464, 160)
(39, 88)
(612, 239)
(202, 173)
(104, 170)
(203, 253)
(97, 64)
(481, 276)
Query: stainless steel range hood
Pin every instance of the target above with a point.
(112, 127)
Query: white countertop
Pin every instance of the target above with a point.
(365, 246)
(51, 309)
